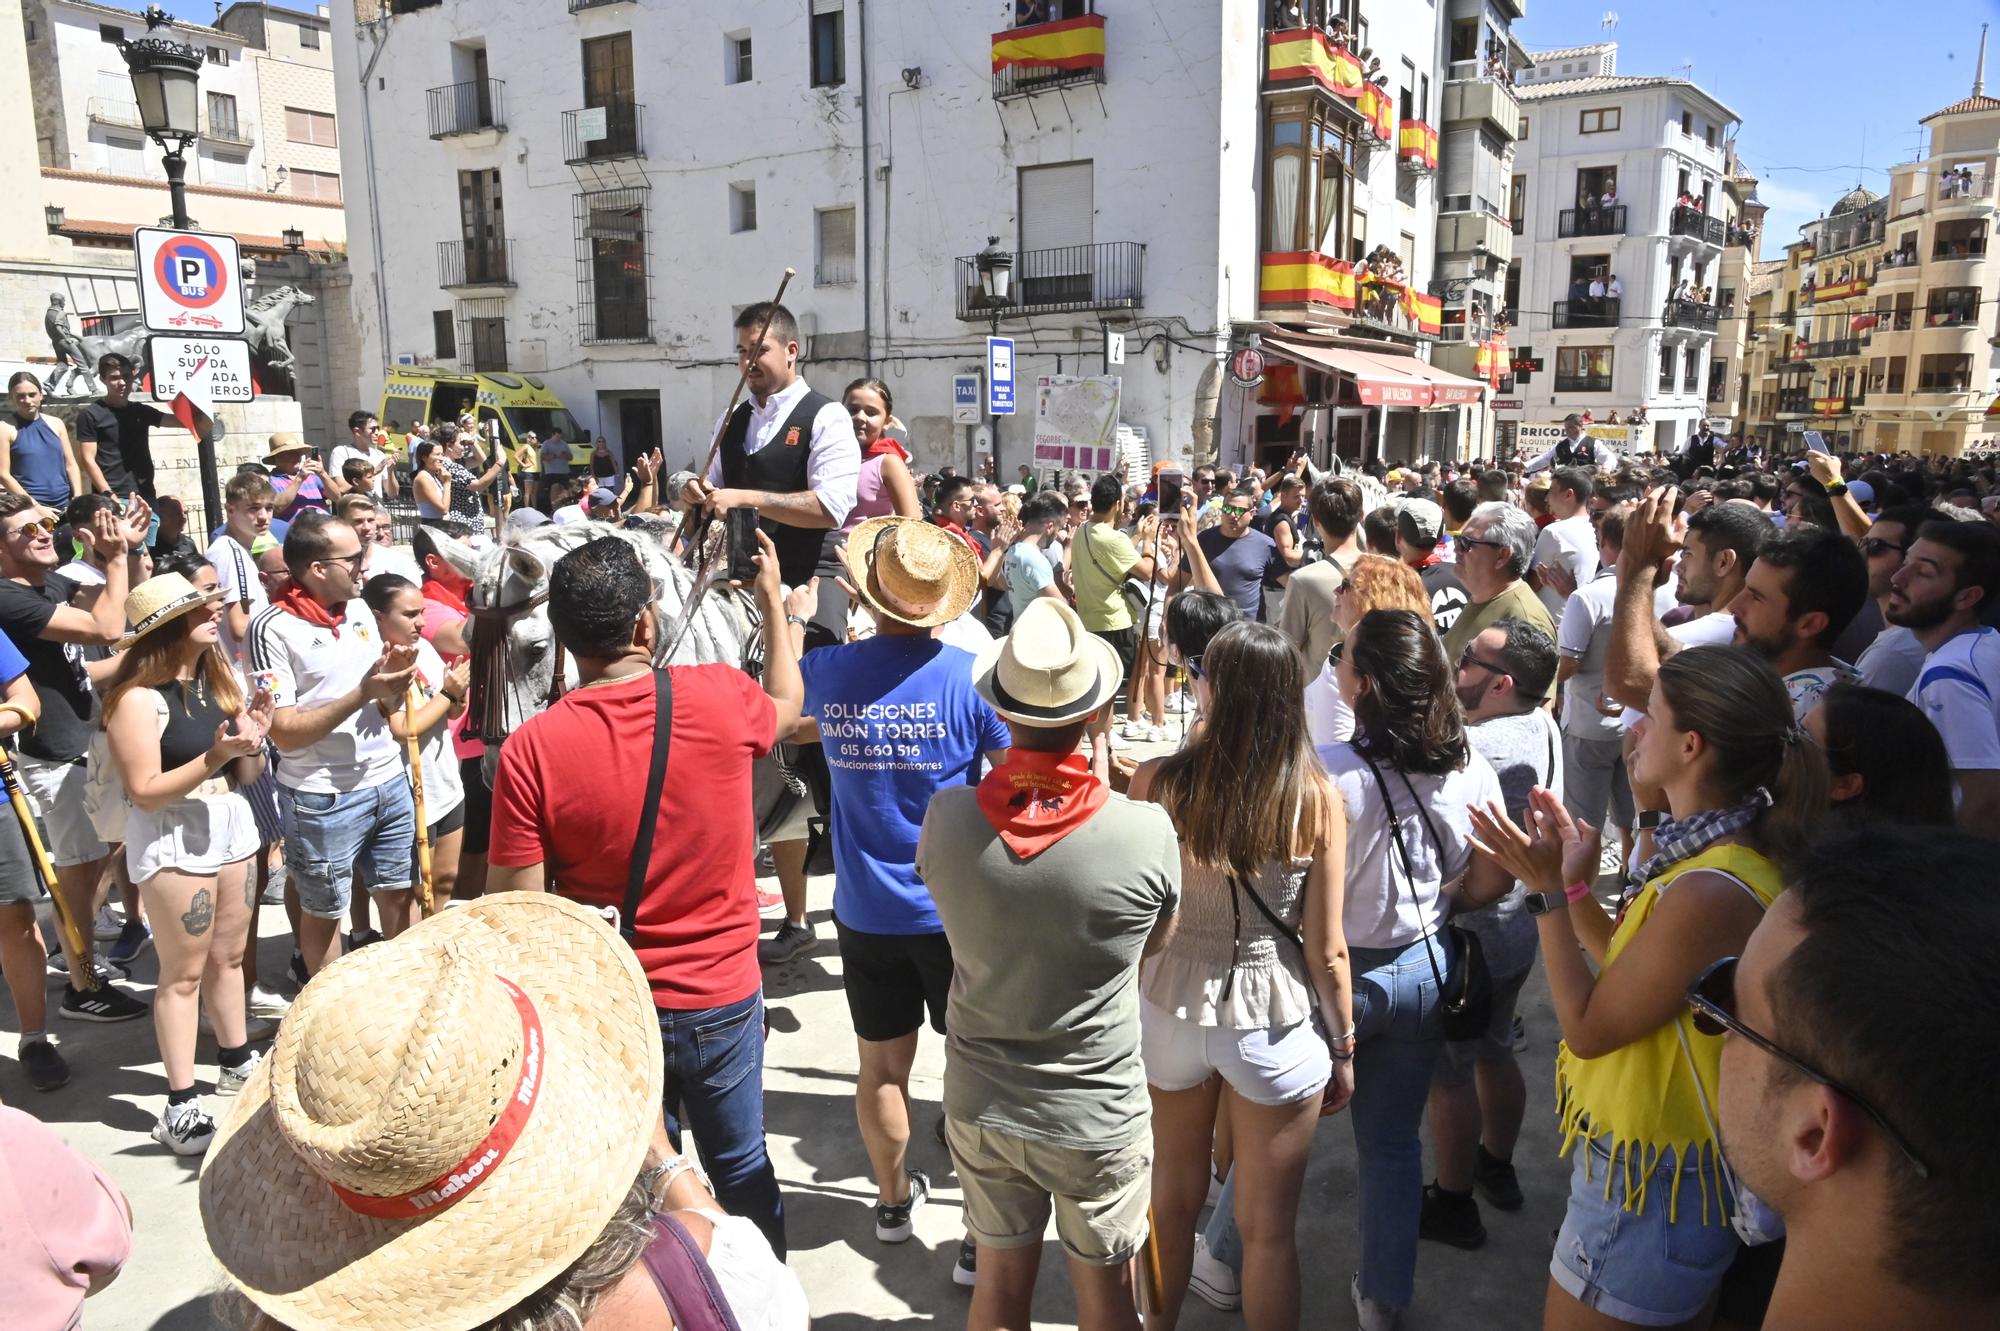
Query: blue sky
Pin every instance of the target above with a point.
(1809, 78)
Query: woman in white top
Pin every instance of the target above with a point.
(439, 694)
(1227, 1008)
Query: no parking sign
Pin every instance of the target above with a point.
(189, 281)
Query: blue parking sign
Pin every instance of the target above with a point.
(1000, 376)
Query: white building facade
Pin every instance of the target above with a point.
(1620, 188)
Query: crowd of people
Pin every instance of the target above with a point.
(1715, 747)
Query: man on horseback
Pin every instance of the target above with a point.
(1575, 449)
(71, 363)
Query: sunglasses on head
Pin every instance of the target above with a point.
(1713, 998)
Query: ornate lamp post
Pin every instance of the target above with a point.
(996, 283)
(295, 239)
(166, 78)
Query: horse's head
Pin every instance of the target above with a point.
(513, 648)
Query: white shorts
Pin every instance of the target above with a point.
(56, 791)
(192, 836)
(1278, 1065)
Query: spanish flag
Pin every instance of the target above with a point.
(1418, 142)
(1426, 312)
(1303, 277)
(1076, 43)
(1305, 53)
(1375, 104)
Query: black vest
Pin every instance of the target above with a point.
(1583, 453)
(779, 467)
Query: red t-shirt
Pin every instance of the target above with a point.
(568, 794)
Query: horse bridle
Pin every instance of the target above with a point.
(486, 699)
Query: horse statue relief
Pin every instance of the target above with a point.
(264, 328)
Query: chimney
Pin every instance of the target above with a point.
(1979, 70)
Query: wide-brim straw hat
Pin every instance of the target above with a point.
(1050, 670)
(912, 571)
(284, 445)
(160, 601)
(365, 1179)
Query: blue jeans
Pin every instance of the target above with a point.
(329, 835)
(1398, 1037)
(715, 1081)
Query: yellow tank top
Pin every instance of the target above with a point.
(1640, 1100)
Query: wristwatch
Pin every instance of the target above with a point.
(1649, 820)
(1541, 903)
(799, 620)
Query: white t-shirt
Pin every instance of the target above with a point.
(1959, 691)
(1572, 543)
(1893, 661)
(374, 457)
(1715, 629)
(81, 575)
(1584, 633)
(1329, 720)
(833, 460)
(1808, 686)
(1383, 909)
(236, 571)
(305, 665)
(444, 789)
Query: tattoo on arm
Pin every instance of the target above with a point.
(199, 914)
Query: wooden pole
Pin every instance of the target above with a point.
(71, 928)
(743, 377)
(412, 745)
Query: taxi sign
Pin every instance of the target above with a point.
(208, 369)
(190, 282)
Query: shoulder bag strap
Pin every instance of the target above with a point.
(1091, 550)
(649, 809)
(684, 1279)
(1403, 853)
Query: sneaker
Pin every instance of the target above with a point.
(1449, 1219)
(268, 1004)
(133, 939)
(1212, 1281)
(770, 905)
(1137, 731)
(1610, 858)
(1497, 1182)
(1118, 740)
(1517, 1040)
(360, 938)
(791, 940)
(892, 1223)
(104, 1003)
(185, 1128)
(1180, 703)
(1370, 1315)
(965, 1271)
(1157, 734)
(45, 1067)
(107, 924)
(296, 970)
(229, 1081)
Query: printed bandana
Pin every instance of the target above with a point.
(1034, 799)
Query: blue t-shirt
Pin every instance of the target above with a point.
(13, 665)
(899, 721)
(1027, 570)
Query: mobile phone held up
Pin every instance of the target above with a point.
(740, 526)
(1170, 494)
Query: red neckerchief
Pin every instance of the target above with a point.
(885, 445)
(1436, 556)
(298, 601)
(960, 533)
(1035, 799)
(436, 591)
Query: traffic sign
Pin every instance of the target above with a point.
(1000, 376)
(189, 281)
(210, 369)
(965, 399)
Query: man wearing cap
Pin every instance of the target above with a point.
(898, 720)
(1574, 450)
(1420, 543)
(1050, 887)
(302, 483)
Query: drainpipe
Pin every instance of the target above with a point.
(867, 211)
(380, 32)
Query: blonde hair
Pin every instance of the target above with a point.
(1382, 583)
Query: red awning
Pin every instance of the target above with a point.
(1383, 379)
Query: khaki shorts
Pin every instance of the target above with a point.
(1011, 1184)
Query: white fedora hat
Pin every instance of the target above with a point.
(1050, 670)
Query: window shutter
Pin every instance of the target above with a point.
(1056, 206)
(828, 6)
(836, 233)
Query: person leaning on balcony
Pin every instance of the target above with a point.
(1614, 288)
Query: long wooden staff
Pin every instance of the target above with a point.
(743, 376)
(1149, 1284)
(412, 745)
(72, 929)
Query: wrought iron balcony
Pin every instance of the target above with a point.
(1583, 383)
(1107, 276)
(230, 133)
(467, 108)
(1836, 346)
(1598, 221)
(1689, 314)
(1695, 223)
(1794, 402)
(601, 133)
(485, 265)
(1038, 56)
(110, 111)
(1586, 313)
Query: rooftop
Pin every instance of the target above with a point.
(1966, 106)
(1603, 83)
(1853, 201)
(1570, 52)
(1765, 275)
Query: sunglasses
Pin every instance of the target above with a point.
(1474, 540)
(1193, 664)
(27, 530)
(1466, 658)
(1713, 998)
(1875, 545)
(1335, 652)
(353, 561)
(1233, 511)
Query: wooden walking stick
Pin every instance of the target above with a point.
(412, 744)
(1149, 1283)
(71, 928)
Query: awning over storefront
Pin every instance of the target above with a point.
(1383, 379)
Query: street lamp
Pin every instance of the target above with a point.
(295, 239)
(996, 284)
(54, 216)
(166, 77)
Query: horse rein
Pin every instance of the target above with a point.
(486, 699)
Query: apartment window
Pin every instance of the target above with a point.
(1959, 240)
(1517, 202)
(231, 172)
(315, 127)
(612, 266)
(1521, 136)
(482, 331)
(443, 333)
(833, 264)
(1058, 222)
(829, 44)
(1601, 121)
(124, 157)
(308, 37)
(1583, 369)
(1708, 135)
(218, 55)
(736, 54)
(315, 184)
(1423, 97)
(222, 115)
(1690, 372)
(1944, 374)
(1952, 307)
(1309, 174)
(1669, 360)
(1407, 96)
(110, 32)
(743, 207)
(1716, 370)
(1687, 124)
(482, 226)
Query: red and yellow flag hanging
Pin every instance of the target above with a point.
(1426, 312)
(1418, 143)
(1305, 53)
(1375, 106)
(1076, 43)
(1302, 277)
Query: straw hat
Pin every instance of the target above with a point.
(1050, 670)
(914, 572)
(161, 600)
(283, 445)
(446, 1122)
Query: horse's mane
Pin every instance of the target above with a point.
(271, 298)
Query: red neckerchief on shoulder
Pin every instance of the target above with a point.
(1436, 556)
(886, 445)
(298, 601)
(959, 532)
(436, 591)
(1035, 799)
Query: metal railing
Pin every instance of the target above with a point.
(1972, 247)
(1794, 402)
(486, 265)
(1950, 191)
(576, 6)
(1836, 346)
(1583, 383)
(834, 272)
(1959, 313)
(467, 108)
(1586, 313)
(1106, 276)
(1685, 221)
(1688, 314)
(110, 111)
(1020, 80)
(234, 133)
(621, 137)
(1949, 381)
(1599, 221)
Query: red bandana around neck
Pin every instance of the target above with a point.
(886, 445)
(436, 591)
(1035, 799)
(298, 601)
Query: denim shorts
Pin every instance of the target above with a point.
(1643, 1268)
(328, 836)
(1275, 1065)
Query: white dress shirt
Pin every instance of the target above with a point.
(833, 464)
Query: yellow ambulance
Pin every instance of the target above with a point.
(519, 404)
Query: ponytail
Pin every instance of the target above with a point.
(1799, 799)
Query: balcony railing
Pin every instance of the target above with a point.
(1583, 383)
(1416, 146)
(1040, 56)
(230, 133)
(1952, 192)
(1689, 314)
(1952, 316)
(1836, 346)
(600, 133)
(485, 265)
(1685, 221)
(467, 108)
(1598, 221)
(1586, 313)
(834, 271)
(1973, 247)
(1794, 402)
(1955, 381)
(1107, 276)
(576, 6)
(110, 111)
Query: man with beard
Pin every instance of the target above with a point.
(1893, 658)
(1806, 584)
(1715, 557)
(1946, 587)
